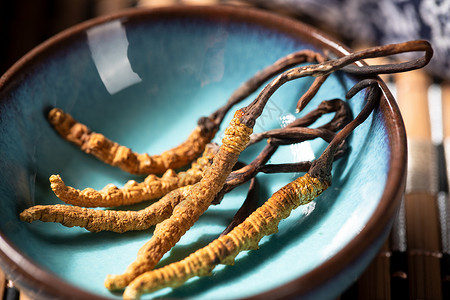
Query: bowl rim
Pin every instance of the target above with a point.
(31, 277)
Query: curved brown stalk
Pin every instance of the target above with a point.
(254, 110)
(342, 116)
(321, 168)
(380, 51)
(307, 97)
(388, 50)
(287, 135)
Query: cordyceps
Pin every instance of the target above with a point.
(262, 222)
(193, 200)
(124, 158)
(121, 221)
(151, 188)
(168, 232)
(237, 136)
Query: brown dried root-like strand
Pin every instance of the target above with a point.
(254, 110)
(391, 49)
(312, 91)
(107, 220)
(283, 136)
(185, 214)
(249, 206)
(262, 76)
(152, 187)
(246, 236)
(341, 118)
(321, 168)
(120, 156)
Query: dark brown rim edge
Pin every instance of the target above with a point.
(22, 267)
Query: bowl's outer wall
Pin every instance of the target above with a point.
(359, 206)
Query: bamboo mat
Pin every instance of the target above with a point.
(414, 262)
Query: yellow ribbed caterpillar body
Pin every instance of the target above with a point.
(122, 157)
(246, 236)
(171, 186)
(107, 220)
(151, 188)
(198, 198)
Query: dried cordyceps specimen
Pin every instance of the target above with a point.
(107, 220)
(120, 156)
(246, 236)
(237, 136)
(121, 221)
(150, 254)
(264, 221)
(151, 188)
(195, 199)
(115, 154)
(199, 197)
(152, 251)
(288, 136)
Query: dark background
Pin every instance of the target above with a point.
(26, 23)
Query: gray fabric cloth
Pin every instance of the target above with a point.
(381, 22)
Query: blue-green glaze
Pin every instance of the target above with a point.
(183, 69)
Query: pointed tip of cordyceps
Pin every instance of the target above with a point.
(55, 177)
(26, 216)
(130, 294)
(303, 101)
(300, 106)
(56, 116)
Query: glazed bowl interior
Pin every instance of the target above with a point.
(143, 78)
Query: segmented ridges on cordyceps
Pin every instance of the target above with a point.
(92, 220)
(152, 187)
(107, 220)
(246, 236)
(123, 157)
(237, 135)
(186, 213)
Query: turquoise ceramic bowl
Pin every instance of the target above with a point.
(143, 78)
